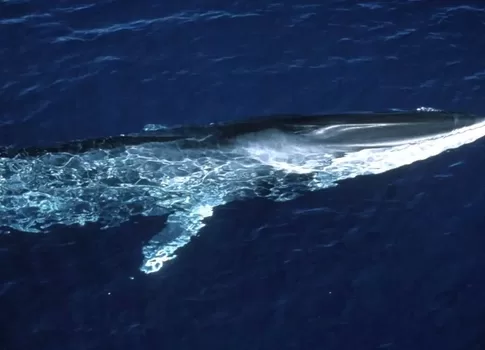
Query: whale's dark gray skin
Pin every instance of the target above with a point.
(184, 172)
(357, 130)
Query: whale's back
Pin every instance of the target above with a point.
(339, 130)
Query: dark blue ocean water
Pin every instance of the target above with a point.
(391, 261)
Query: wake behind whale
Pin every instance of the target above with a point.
(184, 172)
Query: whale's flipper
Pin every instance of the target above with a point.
(162, 246)
(181, 226)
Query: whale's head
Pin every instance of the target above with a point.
(358, 143)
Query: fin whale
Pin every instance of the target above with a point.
(186, 171)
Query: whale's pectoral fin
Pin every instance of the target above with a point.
(179, 229)
(162, 246)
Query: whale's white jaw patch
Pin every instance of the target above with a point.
(379, 160)
(159, 178)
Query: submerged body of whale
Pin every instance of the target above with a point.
(184, 172)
